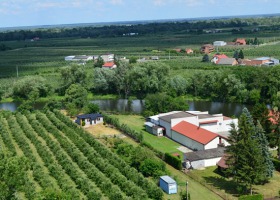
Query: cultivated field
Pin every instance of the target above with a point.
(63, 157)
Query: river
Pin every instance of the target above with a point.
(136, 106)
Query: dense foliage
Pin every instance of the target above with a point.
(173, 161)
(249, 159)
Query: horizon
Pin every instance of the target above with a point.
(144, 21)
(28, 13)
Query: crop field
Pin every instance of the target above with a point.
(64, 158)
(47, 55)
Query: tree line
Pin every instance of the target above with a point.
(271, 23)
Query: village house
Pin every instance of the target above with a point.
(227, 61)
(109, 65)
(89, 119)
(108, 57)
(207, 48)
(262, 61)
(240, 41)
(217, 57)
(189, 51)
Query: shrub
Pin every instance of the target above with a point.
(173, 161)
(83, 123)
(276, 163)
(251, 197)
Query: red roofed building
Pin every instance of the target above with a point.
(217, 57)
(240, 41)
(109, 65)
(195, 137)
(189, 51)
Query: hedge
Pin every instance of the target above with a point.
(276, 163)
(251, 197)
(173, 161)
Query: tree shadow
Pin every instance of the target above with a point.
(222, 183)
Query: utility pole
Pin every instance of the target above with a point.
(187, 190)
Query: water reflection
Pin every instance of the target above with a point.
(137, 106)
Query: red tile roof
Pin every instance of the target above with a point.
(222, 162)
(220, 56)
(240, 41)
(193, 132)
(108, 64)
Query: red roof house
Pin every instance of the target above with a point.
(109, 65)
(189, 51)
(217, 57)
(240, 41)
(194, 137)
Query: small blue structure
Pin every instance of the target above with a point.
(167, 184)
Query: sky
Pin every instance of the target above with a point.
(51, 12)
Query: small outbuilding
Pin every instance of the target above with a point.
(154, 129)
(89, 119)
(167, 184)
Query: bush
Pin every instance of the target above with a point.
(83, 123)
(251, 197)
(276, 163)
(173, 161)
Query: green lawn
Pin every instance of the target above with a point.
(162, 144)
(227, 187)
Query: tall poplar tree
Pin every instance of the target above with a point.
(245, 160)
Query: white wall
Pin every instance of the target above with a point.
(211, 162)
(198, 164)
(213, 144)
(167, 127)
(205, 163)
(187, 141)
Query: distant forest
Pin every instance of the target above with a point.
(235, 25)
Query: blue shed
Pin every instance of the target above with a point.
(168, 185)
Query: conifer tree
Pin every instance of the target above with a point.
(263, 144)
(241, 54)
(245, 160)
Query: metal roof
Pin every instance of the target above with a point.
(167, 179)
(182, 114)
(205, 154)
(89, 116)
